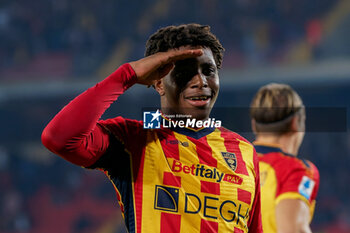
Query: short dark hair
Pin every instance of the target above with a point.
(192, 34)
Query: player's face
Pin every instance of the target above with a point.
(192, 87)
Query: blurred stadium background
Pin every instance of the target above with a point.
(51, 50)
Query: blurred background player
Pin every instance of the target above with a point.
(289, 184)
(167, 180)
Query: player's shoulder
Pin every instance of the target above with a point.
(128, 131)
(226, 133)
(288, 164)
(122, 125)
(310, 168)
(300, 164)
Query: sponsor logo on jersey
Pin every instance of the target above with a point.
(204, 171)
(167, 199)
(230, 159)
(306, 187)
(177, 142)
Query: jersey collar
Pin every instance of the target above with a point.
(194, 133)
(264, 148)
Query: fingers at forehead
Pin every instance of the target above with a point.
(184, 54)
(166, 69)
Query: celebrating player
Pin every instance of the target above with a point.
(288, 184)
(169, 179)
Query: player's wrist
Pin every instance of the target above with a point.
(124, 75)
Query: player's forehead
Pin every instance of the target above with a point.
(207, 56)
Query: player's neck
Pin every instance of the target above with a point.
(287, 142)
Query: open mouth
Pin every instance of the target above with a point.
(199, 101)
(199, 98)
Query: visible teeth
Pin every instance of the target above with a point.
(199, 98)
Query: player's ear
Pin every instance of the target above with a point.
(253, 126)
(159, 86)
(299, 122)
(295, 124)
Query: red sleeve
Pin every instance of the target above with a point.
(255, 224)
(315, 176)
(74, 133)
(302, 178)
(129, 132)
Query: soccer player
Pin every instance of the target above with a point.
(168, 179)
(288, 184)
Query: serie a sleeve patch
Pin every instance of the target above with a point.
(306, 187)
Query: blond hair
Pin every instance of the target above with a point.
(274, 106)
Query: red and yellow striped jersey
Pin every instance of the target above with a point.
(182, 180)
(284, 176)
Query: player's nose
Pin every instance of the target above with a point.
(199, 81)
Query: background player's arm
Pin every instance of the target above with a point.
(292, 216)
(74, 133)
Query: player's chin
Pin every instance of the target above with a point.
(198, 113)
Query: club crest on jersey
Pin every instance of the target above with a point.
(230, 159)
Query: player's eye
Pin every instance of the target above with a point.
(182, 74)
(208, 71)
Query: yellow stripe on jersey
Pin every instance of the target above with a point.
(188, 156)
(216, 142)
(268, 182)
(247, 152)
(291, 195)
(153, 153)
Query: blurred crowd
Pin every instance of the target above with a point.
(61, 38)
(255, 32)
(41, 196)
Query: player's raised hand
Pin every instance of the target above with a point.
(158, 65)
